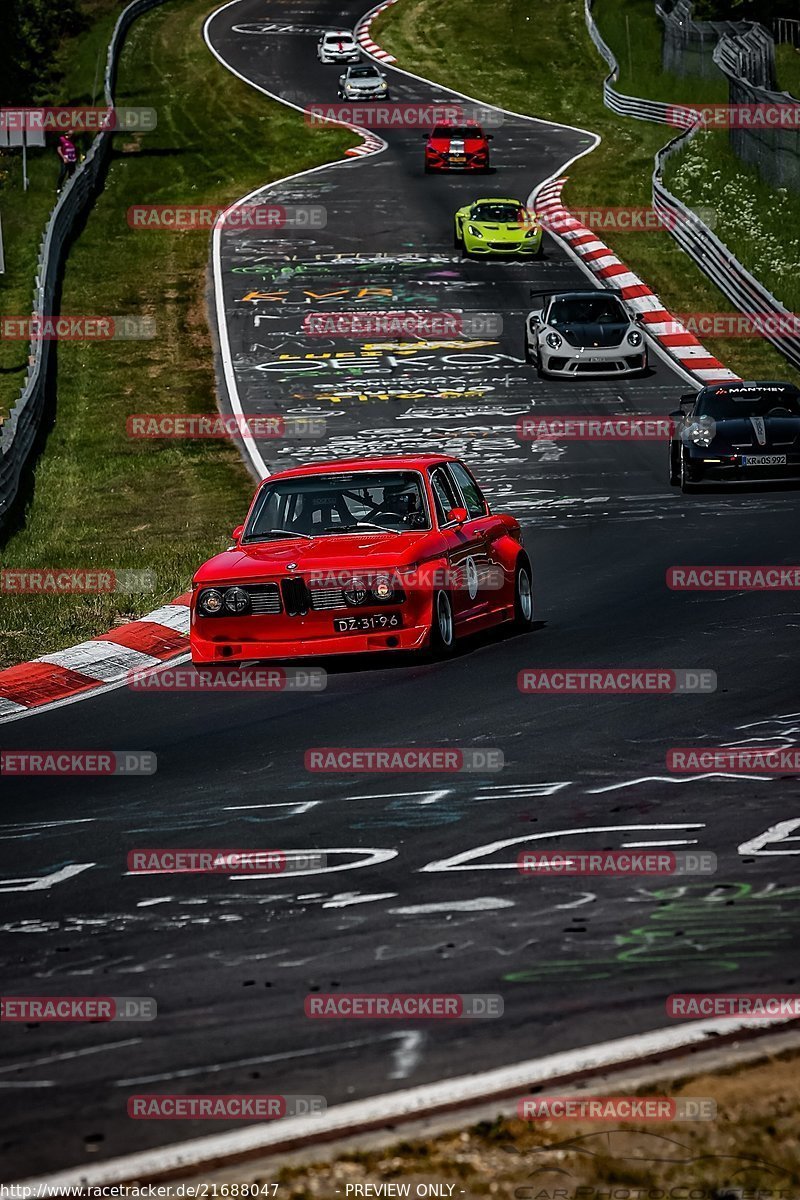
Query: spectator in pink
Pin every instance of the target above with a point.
(68, 154)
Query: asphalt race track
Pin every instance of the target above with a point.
(229, 960)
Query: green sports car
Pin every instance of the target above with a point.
(498, 226)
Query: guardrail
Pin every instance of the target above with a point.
(624, 106)
(718, 262)
(692, 235)
(19, 433)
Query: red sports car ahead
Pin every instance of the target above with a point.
(457, 148)
(361, 555)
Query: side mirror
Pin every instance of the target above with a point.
(237, 533)
(687, 396)
(536, 317)
(677, 414)
(489, 137)
(459, 515)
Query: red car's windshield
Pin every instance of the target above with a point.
(457, 131)
(314, 505)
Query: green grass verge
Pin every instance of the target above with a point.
(631, 29)
(80, 65)
(101, 499)
(549, 68)
(755, 220)
(787, 67)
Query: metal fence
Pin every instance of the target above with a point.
(748, 61)
(687, 46)
(711, 255)
(21, 431)
(786, 29)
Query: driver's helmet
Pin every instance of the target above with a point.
(401, 499)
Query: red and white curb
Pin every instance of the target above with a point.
(370, 145)
(160, 635)
(363, 38)
(663, 328)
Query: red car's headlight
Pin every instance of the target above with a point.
(383, 588)
(373, 589)
(209, 602)
(355, 592)
(215, 602)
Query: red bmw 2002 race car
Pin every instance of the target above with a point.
(361, 555)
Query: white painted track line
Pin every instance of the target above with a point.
(407, 1104)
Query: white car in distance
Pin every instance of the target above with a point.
(338, 46)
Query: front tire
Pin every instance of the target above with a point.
(458, 241)
(443, 626)
(523, 594)
(674, 467)
(688, 484)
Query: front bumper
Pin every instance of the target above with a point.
(351, 95)
(524, 248)
(445, 164)
(352, 57)
(234, 649)
(283, 634)
(595, 363)
(728, 468)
